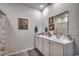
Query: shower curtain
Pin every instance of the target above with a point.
(2, 33)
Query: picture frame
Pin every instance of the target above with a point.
(22, 23)
(51, 27)
(50, 20)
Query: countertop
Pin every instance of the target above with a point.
(61, 40)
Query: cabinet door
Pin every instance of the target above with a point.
(45, 47)
(56, 49)
(36, 42)
(40, 44)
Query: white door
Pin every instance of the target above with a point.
(56, 49)
(45, 47)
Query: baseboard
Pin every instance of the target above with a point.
(17, 52)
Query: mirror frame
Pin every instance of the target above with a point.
(67, 22)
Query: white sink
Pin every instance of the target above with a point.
(61, 40)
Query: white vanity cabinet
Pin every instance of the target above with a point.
(45, 47)
(60, 49)
(54, 47)
(38, 43)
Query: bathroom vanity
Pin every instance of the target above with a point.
(52, 46)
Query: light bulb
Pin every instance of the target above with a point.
(41, 6)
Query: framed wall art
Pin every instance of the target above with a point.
(22, 23)
(50, 20)
(51, 24)
(51, 27)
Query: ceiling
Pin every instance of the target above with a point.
(37, 5)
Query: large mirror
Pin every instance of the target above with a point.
(61, 23)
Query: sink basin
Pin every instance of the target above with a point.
(61, 39)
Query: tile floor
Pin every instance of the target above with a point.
(32, 52)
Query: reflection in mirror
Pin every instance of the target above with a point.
(61, 24)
